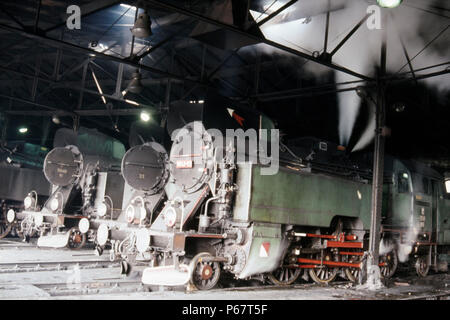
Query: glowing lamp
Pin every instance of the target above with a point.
(389, 3)
(145, 116)
(447, 182)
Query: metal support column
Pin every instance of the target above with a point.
(373, 270)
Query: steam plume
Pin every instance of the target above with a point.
(361, 53)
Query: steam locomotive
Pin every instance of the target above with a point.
(83, 170)
(225, 215)
(145, 171)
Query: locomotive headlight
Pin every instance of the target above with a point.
(135, 212)
(83, 225)
(54, 204)
(38, 219)
(130, 213)
(142, 240)
(102, 234)
(10, 216)
(102, 209)
(28, 202)
(170, 217)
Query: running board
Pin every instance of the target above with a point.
(166, 276)
(54, 241)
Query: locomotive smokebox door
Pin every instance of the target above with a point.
(62, 166)
(191, 157)
(144, 167)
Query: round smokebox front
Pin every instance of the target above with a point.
(144, 167)
(62, 166)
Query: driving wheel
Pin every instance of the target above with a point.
(205, 273)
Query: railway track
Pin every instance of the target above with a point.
(111, 286)
(15, 267)
(281, 287)
(431, 296)
(124, 286)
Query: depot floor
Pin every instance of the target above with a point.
(28, 272)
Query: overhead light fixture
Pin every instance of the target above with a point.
(361, 92)
(135, 85)
(23, 129)
(145, 116)
(142, 26)
(56, 119)
(132, 102)
(389, 3)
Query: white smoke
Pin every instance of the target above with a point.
(385, 247)
(361, 53)
(369, 132)
(405, 248)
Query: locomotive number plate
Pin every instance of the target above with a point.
(184, 164)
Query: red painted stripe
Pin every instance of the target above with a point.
(337, 244)
(330, 263)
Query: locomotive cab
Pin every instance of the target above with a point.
(413, 216)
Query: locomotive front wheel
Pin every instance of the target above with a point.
(284, 276)
(323, 274)
(77, 240)
(205, 274)
(422, 266)
(390, 261)
(5, 230)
